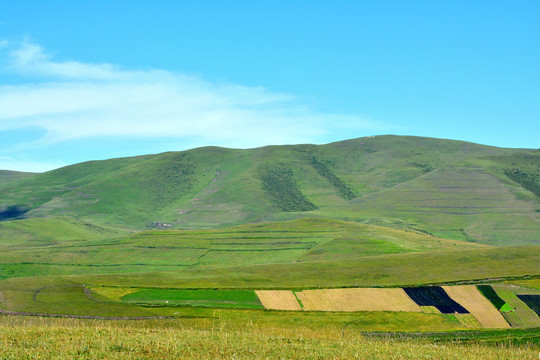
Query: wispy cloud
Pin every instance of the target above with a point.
(72, 100)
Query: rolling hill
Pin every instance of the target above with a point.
(448, 188)
(200, 225)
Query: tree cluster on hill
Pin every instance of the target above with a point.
(279, 183)
(343, 190)
(529, 181)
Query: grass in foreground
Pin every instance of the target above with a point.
(31, 338)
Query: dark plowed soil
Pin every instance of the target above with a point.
(435, 296)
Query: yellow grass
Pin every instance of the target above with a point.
(430, 309)
(483, 310)
(278, 299)
(357, 299)
(468, 320)
(113, 293)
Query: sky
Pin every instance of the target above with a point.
(90, 80)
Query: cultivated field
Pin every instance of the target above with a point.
(357, 299)
(201, 298)
(481, 308)
(522, 316)
(278, 299)
(437, 297)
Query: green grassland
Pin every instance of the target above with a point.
(384, 211)
(7, 176)
(203, 298)
(31, 247)
(215, 187)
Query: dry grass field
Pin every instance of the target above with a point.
(483, 310)
(278, 299)
(357, 299)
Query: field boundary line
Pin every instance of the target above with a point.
(19, 313)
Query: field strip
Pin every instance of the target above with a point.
(522, 316)
(18, 313)
(430, 309)
(482, 309)
(357, 299)
(278, 299)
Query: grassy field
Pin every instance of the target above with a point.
(373, 212)
(83, 339)
(62, 246)
(242, 299)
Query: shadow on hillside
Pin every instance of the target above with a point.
(12, 212)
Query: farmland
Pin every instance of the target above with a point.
(203, 298)
(480, 307)
(358, 299)
(278, 299)
(437, 297)
(532, 301)
(522, 315)
(332, 246)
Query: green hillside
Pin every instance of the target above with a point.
(7, 176)
(64, 246)
(215, 187)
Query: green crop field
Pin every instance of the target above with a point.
(176, 243)
(203, 298)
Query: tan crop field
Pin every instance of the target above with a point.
(357, 299)
(481, 308)
(278, 299)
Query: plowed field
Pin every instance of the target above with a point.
(435, 296)
(357, 299)
(482, 309)
(278, 299)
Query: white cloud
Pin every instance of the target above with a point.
(73, 100)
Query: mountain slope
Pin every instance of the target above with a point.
(363, 179)
(7, 176)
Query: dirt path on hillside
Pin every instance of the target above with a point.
(89, 295)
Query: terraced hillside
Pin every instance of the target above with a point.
(459, 202)
(67, 246)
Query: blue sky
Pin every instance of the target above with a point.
(86, 80)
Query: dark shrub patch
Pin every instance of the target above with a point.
(13, 212)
